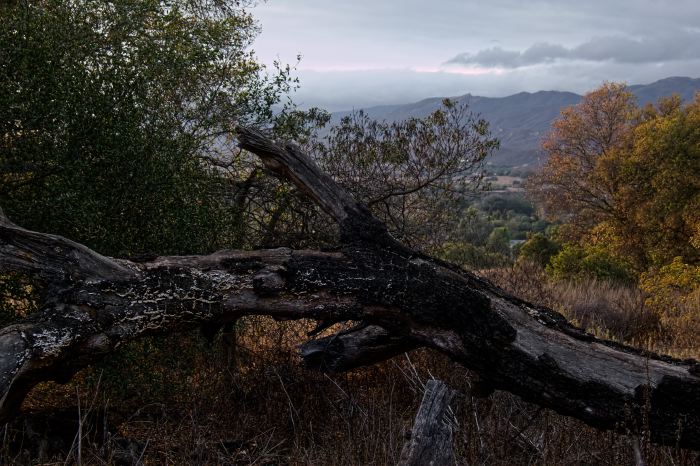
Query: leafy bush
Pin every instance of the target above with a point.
(674, 293)
(499, 241)
(471, 256)
(112, 116)
(539, 249)
(575, 262)
(507, 202)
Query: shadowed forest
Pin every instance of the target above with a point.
(120, 130)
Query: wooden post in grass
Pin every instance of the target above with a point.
(430, 443)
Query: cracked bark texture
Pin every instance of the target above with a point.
(402, 300)
(430, 441)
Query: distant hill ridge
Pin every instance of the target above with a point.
(520, 120)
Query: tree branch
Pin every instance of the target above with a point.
(362, 346)
(288, 162)
(53, 258)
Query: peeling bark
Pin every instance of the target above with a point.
(403, 300)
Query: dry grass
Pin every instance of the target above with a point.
(618, 311)
(258, 405)
(608, 310)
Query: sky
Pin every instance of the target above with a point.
(360, 53)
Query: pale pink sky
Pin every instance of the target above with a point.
(363, 52)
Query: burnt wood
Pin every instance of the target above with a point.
(402, 299)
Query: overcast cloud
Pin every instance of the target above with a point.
(679, 45)
(358, 53)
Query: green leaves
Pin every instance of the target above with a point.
(575, 262)
(112, 113)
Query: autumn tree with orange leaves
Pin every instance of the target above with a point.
(576, 183)
(624, 180)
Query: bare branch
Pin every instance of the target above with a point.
(53, 257)
(290, 163)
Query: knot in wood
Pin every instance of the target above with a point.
(268, 282)
(694, 368)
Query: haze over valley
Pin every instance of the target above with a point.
(520, 120)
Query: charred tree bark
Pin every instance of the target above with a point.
(403, 299)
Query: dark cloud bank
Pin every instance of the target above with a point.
(681, 45)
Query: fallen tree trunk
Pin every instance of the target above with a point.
(403, 300)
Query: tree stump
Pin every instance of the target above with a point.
(431, 437)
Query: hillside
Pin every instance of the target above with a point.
(520, 120)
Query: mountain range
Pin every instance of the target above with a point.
(520, 120)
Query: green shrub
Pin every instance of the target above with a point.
(538, 249)
(673, 293)
(471, 256)
(575, 262)
(505, 202)
(499, 241)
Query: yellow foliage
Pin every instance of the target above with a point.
(625, 178)
(674, 293)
